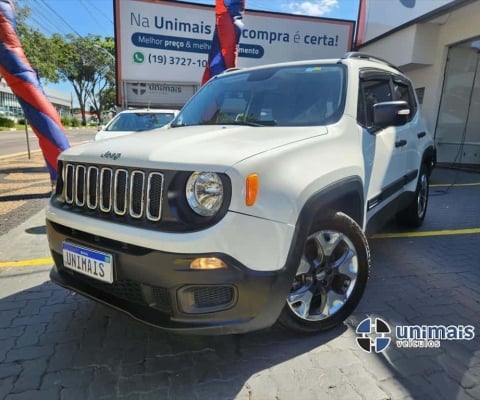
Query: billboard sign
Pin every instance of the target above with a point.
(168, 42)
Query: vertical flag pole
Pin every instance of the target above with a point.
(28, 140)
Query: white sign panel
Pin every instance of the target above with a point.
(380, 16)
(165, 41)
(157, 93)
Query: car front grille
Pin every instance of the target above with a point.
(121, 192)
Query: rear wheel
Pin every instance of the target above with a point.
(330, 278)
(414, 214)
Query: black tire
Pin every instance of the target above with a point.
(333, 244)
(414, 214)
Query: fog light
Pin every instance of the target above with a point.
(207, 263)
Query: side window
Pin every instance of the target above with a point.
(404, 91)
(371, 91)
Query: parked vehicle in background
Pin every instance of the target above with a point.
(8, 114)
(253, 205)
(134, 121)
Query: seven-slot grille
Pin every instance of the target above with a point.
(123, 192)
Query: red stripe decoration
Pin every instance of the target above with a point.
(24, 82)
(228, 28)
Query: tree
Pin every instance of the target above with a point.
(103, 94)
(41, 52)
(88, 63)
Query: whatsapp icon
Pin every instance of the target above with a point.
(138, 57)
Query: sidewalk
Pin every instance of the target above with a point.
(24, 191)
(26, 244)
(55, 345)
(24, 188)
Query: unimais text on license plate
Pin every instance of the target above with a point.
(93, 263)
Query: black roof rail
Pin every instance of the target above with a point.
(356, 54)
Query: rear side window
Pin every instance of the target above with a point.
(371, 91)
(379, 87)
(404, 91)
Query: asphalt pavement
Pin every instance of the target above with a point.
(57, 345)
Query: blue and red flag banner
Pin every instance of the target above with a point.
(23, 80)
(228, 28)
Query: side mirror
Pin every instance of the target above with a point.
(100, 128)
(390, 113)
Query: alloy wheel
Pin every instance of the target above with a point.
(326, 276)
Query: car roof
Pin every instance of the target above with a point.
(351, 58)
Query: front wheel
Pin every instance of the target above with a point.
(331, 276)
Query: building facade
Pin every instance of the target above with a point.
(438, 47)
(9, 105)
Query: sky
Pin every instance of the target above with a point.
(83, 17)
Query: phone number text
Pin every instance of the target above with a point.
(171, 60)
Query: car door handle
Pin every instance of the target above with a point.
(400, 143)
(421, 134)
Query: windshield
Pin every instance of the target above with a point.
(278, 96)
(139, 121)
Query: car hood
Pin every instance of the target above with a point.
(215, 146)
(101, 135)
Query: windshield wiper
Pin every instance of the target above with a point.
(254, 123)
(245, 123)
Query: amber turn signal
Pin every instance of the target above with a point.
(251, 189)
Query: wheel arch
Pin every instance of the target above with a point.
(336, 208)
(345, 195)
(429, 158)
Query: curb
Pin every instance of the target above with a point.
(21, 154)
(32, 152)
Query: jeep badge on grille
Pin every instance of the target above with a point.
(109, 154)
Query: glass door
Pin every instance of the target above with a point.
(458, 126)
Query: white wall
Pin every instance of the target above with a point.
(421, 51)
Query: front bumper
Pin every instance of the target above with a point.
(160, 289)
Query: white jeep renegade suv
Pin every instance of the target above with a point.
(252, 206)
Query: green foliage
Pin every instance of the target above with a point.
(7, 122)
(108, 99)
(65, 121)
(88, 63)
(70, 122)
(21, 121)
(40, 50)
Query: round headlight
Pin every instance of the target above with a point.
(204, 193)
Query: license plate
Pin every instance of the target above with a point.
(93, 263)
